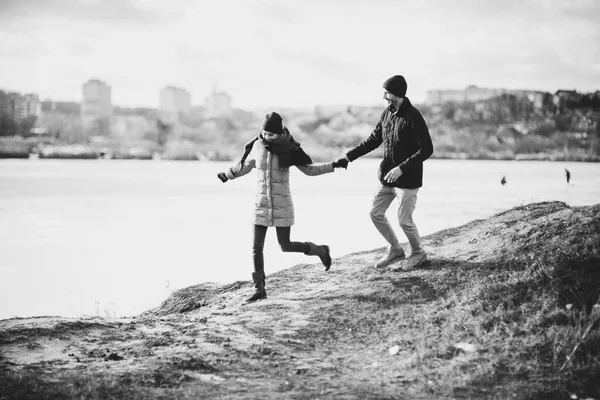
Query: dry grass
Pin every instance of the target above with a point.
(527, 301)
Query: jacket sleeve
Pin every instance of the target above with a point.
(425, 145)
(368, 145)
(248, 166)
(316, 169)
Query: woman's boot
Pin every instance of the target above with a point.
(259, 284)
(322, 252)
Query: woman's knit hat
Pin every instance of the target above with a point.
(273, 123)
(396, 85)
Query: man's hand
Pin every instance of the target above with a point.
(393, 175)
(222, 177)
(341, 162)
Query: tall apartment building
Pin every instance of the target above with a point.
(33, 105)
(218, 105)
(173, 103)
(96, 107)
(4, 104)
(20, 106)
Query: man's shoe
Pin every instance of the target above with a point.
(395, 254)
(414, 260)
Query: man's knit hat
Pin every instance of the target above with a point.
(273, 123)
(396, 85)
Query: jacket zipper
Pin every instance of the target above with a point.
(269, 189)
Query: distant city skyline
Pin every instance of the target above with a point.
(294, 53)
(176, 100)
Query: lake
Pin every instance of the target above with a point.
(116, 237)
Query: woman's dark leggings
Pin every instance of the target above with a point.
(283, 237)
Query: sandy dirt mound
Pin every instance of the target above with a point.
(354, 332)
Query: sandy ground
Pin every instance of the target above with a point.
(204, 342)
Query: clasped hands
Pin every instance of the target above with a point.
(341, 162)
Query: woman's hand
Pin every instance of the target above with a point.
(341, 163)
(393, 175)
(222, 176)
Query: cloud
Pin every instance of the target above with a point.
(109, 12)
(293, 51)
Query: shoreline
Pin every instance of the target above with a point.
(450, 156)
(478, 320)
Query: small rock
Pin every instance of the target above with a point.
(394, 350)
(207, 377)
(569, 306)
(113, 357)
(466, 347)
(302, 369)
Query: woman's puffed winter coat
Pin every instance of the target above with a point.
(274, 206)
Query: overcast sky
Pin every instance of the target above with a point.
(296, 53)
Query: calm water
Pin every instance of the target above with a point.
(115, 238)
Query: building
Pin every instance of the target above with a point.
(33, 105)
(4, 103)
(173, 103)
(96, 108)
(471, 94)
(565, 98)
(218, 105)
(19, 106)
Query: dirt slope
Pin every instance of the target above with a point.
(500, 310)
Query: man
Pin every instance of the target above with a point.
(407, 143)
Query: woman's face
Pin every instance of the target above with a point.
(269, 136)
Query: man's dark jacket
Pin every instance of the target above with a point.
(406, 143)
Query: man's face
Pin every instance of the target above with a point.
(392, 99)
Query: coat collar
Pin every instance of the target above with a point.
(406, 105)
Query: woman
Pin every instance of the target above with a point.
(272, 153)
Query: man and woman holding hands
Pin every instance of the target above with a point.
(406, 145)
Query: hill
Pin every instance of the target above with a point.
(506, 307)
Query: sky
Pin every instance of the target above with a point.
(295, 53)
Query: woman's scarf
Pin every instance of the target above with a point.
(285, 147)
